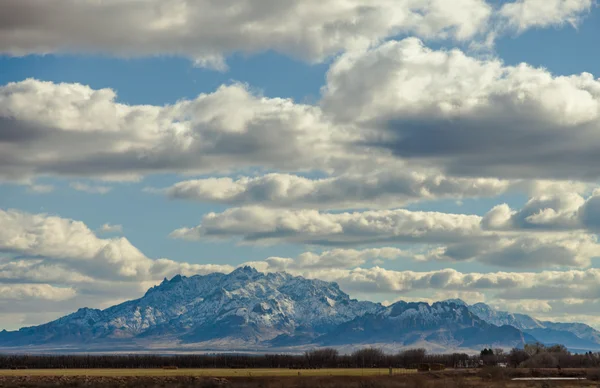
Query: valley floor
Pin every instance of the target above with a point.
(404, 381)
(283, 378)
(216, 372)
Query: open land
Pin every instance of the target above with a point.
(216, 372)
(280, 378)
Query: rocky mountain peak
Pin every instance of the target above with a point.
(253, 309)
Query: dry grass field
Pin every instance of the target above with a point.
(217, 372)
(283, 378)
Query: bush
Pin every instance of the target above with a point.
(541, 360)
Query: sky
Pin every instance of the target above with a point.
(407, 150)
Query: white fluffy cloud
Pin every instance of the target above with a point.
(389, 188)
(380, 129)
(561, 211)
(468, 116)
(70, 243)
(73, 130)
(39, 271)
(19, 292)
(207, 31)
(383, 189)
(311, 226)
(451, 237)
(525, 14)
(332, 259)
(506, 286)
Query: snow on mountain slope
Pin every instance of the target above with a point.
(498, 318)
(575, 335)
(245, 303)
(443, 323)
(247, 309)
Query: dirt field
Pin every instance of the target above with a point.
(222, 372)
(400, 381)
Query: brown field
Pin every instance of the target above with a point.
(217, 372)
(281, 378)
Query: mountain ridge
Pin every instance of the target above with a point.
(247, 309)
(569, 334)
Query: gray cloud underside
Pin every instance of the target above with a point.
(371, 190)
(549, 212)
(309, 29)
(73, 130)
(397, 107)
(468, 116)
(446, 237)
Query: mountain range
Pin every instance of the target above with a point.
(249, 310)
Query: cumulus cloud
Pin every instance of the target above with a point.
(332, 259)
(67, 242)
(312, 30)
(521, 251)
(453, 237)
(410, 129)
(74, 130)
(18, 292)
(534, 307)
(387, 188)
(313, 227)
(382, 189)
(560, 211)
(468, 116)
(381, 280)
(35, 270)
(207, 31)
(522, 15)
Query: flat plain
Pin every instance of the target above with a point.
(283, 378)
(216, 372)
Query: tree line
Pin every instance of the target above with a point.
(538, 355)
(531, 356)
(313, 359)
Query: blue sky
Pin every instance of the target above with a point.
(52, 187)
